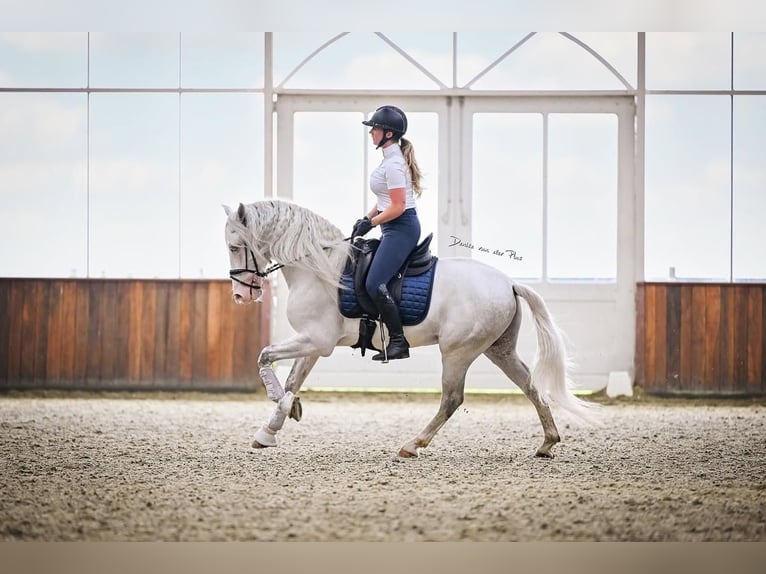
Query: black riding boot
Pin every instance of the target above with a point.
(398, 347)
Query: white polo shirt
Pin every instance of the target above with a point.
(392, 173)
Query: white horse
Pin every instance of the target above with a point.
(474, 309)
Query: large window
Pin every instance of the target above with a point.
(109, 167)
(704, 176)
(43, 185)
(523, 162)
(117, 149)
(687, 187)
(508, 192)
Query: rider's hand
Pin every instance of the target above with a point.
(361, 227)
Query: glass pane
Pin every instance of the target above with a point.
(749, 188)
(582, 196)
(215, 60)
(330, 179)
(687, 199)
(432, 50)
(360, 61)
(749, 61)
(134, 60)
(507, 198)
(476, 51)
(43, 185)
(549, 61)
(134, 185)
(620, 49)
(688, 61)
(36, 59)
(423, 132)
(291, 48)
(221, 163)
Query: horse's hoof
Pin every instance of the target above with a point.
(296, 412)
(263, 438)
(544, 454)
(407, 454)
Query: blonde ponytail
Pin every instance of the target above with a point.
(408, 151)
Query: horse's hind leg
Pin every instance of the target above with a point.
(503, 354)
(454, 369)
(300, 370)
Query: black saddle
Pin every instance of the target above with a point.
(355, 272)
(358, 264)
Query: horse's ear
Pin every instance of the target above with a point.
(242, 214)
(227, 209)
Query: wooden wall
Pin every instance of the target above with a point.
(701, 338)
(128, 334)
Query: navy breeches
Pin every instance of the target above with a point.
(399, 238)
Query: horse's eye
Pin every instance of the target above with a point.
(233, 248)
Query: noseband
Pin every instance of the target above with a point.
(256, 272)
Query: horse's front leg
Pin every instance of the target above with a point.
(307, 352)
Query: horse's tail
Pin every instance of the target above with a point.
(549, 373)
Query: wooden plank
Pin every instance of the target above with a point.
(687, 310)
(68, 332)
(763, 340)
(660, 337)
(651, 342)
(213, 333)
(5, 324)
(160, 334)
(226, 339)
(42, 296)
(712, 338)
(107, 309)
(173, 349)
(754, 339)
(15, 328)
(699, 327)
(673, 337)
(55, 332)
(29, 317)
(199, 334)
(82, 320)
(727, 333)
(122, 308)
(640, 355)
(95, 326)
(135, 340)
(185, 366)
(740, 339)
(148, 343)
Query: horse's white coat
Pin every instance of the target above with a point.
(473, 310)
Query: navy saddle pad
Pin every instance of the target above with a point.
(411, 288)
(414, 303)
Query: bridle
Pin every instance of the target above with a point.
(255, 273)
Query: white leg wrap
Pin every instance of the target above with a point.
(274, 388)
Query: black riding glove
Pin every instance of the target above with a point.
(361, 227)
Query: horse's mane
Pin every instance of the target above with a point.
(294, 235)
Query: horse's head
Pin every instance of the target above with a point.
(248, 264)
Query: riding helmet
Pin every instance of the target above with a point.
(389, 118)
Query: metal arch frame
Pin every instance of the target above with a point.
(442, 86)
